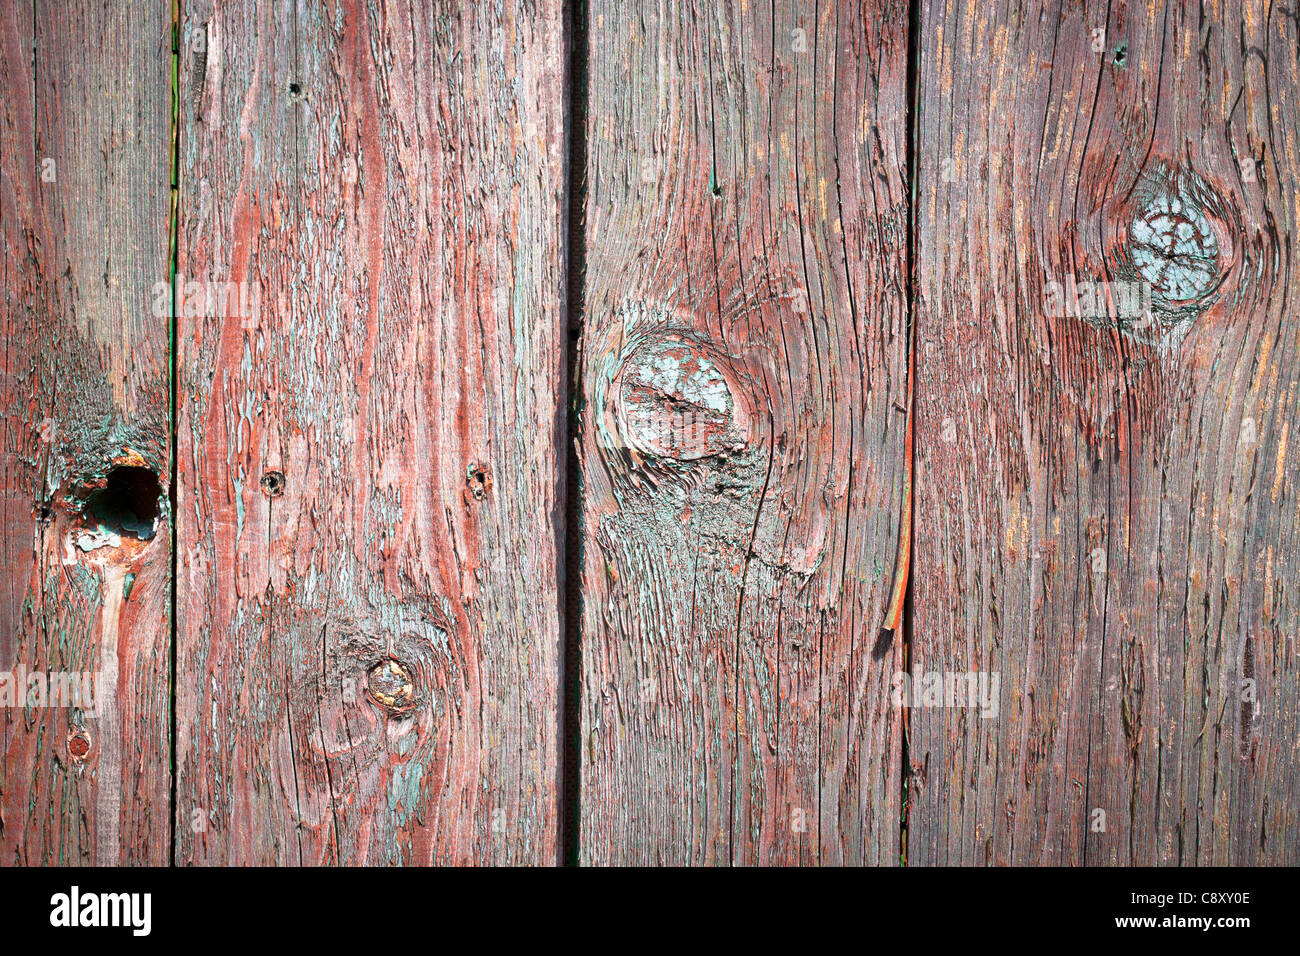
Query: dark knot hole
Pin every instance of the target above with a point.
(128, 504)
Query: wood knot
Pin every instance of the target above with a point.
(390, 685)
(1179, 237)
(676, 399)
(78, 745)
(478, 482)
(125, 504)
(273, 484)
(1176, 246)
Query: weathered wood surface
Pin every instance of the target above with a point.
(743, 350)
(1106, 508)
(84, 200)
(372, 412)
(368, 458)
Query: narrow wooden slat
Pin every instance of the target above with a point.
(1106, 507)
(742, 354)
(84, 198)
(368, 452)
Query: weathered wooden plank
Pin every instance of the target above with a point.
(86, 545)
(1106, 505)
(368, 452)
(743, 350)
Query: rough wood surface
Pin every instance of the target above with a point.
(372, 405)
(743, 350)
(1106, 506)
(84, 199)
(368, 459)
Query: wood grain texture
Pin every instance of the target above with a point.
(743, 350)
(1106, 511)
(372, 412)
(369, 457)
(84, 198)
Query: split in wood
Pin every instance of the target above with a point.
(903, 567)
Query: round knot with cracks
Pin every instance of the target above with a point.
(390, 685)
(1178, 241)
(1175, 249)
(674, 398)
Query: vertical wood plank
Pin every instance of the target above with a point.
(742, 354)
(1106, 501)
(370, 497)
(86, 547)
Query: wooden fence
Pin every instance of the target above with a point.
(790, 433)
